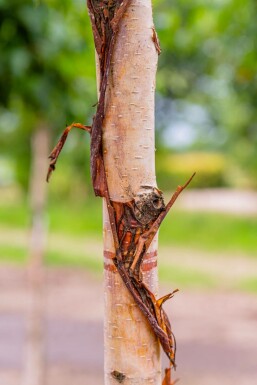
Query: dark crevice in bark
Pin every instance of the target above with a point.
(120, 377)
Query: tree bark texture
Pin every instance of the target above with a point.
(132, 350)
(123, 173)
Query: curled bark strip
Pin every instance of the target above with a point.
(58, 148)
(156, 41)
(167, 378)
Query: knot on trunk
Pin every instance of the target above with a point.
(148, 205)
(120, 377)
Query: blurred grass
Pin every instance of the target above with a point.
(19, 254)
(187, 277)
(176, 276)
(90, 262)
(248, 284)
(76, 232)
(15, 215)
(13, 254)
(196, 230)
(210, 232)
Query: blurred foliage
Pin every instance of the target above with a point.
(209, 56)
(175, 275)
(248, 284)
(210, 166)
(206, 83)
(214, 240)
(46, 74)
(220, 233)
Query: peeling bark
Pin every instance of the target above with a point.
(123, 173)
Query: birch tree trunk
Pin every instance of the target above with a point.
(132, 351)
(123, 173)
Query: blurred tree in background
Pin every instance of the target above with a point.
(208, 82)
(206, 88)
(46, 76)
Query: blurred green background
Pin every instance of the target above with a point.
(206, 121)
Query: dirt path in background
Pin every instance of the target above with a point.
(215, 331)
(220, 200)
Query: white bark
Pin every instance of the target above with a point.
(128, 145)
(128, 132)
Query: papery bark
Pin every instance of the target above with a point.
(123, 173)
(131, 348)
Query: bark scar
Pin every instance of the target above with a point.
(120, 377)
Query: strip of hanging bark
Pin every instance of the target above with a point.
(136, 228)
(58, 148)
(167, 378)
(134, 225)
(156, 41)
(105, 17)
